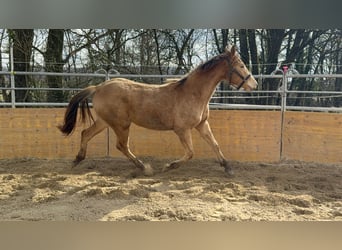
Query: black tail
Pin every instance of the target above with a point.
(70, 117)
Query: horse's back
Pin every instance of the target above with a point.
(149, 106)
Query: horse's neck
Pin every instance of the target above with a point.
(204, 84)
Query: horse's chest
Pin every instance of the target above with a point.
(189, 118)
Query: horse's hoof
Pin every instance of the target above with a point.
(170, 166)
(148, 170)
(166, 168)
(76, 161)
(134, 174)
(228, 171)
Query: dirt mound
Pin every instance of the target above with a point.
(106, 189)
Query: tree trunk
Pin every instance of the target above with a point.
(180, 44)
(253, 51)
(22, 51)
(273, 43)
(54, 63)
(297, 47)
(221, 41)
(117, 46)
(3, 93)
(338, 81)
(156, 40)
(244, 46)
(274, 40)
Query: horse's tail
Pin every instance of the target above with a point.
(79, 100)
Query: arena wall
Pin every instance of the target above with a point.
(242, 135)
(311, 136)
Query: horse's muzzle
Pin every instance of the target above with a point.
(250, 84)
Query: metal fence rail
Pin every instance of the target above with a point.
(222, 99)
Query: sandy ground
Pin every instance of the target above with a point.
(104, 189)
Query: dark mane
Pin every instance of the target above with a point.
(182, 81)
(212, 62)
(208, 65)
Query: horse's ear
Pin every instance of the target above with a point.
(230, 49)
(233, 50)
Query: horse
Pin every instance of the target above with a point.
(178, 105)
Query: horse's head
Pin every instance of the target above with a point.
(238, 74)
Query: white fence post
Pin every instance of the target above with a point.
(12, 75)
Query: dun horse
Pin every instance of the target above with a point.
(178, 105)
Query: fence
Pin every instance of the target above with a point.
(277, 99)
(256, 126)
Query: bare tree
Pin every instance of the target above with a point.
(244, 51)
(54, 63)
(253, 51)
(338, 60)
(154, 51)
(4, 94)
(180, 41)
(221, 39)
(22, 52)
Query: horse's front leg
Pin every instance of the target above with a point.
(205, 131)
(186, 140)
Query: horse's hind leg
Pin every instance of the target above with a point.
(205, 131)
(86, 136)
(122, 144)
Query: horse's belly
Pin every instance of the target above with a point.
(153, 122)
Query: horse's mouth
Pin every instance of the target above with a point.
(248, 88)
